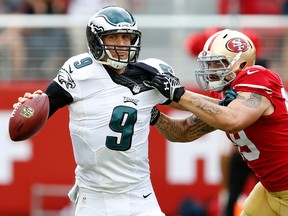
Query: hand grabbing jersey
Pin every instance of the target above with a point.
(168, 85)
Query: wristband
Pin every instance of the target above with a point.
(155, 114)
(178, 94)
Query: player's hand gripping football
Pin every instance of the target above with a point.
(26, 96)
(29, 115)
(168, 85)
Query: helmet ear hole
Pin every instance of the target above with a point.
(242, 65)
(94, 44)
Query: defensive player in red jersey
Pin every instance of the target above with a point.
(256, 120)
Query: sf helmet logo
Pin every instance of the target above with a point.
(237, 45)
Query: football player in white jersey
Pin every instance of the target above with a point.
(109, 117)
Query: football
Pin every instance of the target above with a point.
(29, 117)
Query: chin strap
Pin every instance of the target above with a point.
(116, 64)
(113, 62)
(234, 60)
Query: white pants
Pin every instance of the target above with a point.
(141, 201)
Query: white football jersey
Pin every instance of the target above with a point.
(109, 124)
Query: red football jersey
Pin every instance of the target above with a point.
(218, 95)
(264, 144)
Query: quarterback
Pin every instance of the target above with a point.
(256, 121)
(110, 111)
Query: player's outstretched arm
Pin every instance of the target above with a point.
(189, 128)
(182, 130)
(239, 114)
(179, 129)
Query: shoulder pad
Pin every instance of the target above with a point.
(156, 66)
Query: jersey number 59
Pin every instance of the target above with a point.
(242, 140)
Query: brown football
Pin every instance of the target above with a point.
(29, 117)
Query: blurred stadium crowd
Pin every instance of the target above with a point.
(37, 53)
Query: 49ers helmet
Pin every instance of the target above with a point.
(231, 51)
(113, 20)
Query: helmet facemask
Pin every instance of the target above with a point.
(118, 63)
(215, 78)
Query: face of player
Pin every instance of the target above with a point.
(117, 45)
(214, 66)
